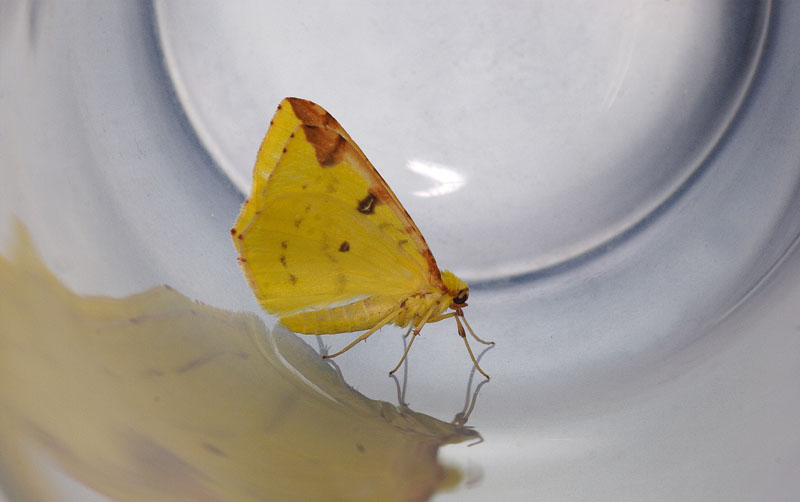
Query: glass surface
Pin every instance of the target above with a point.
(618, 182)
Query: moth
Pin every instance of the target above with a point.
(326, 245)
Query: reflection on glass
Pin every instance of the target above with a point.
(157, 397)
(446, 179)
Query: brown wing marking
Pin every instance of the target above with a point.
(329, 144)
(312, 114)
(368, 203)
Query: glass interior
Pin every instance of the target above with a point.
(618, 182)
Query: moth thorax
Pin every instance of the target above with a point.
(415, 307)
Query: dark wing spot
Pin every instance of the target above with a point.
(233, 231)
(283, 245)
(304, 187)
(293, 279)
(360, 447)
(284, 150)
(345, 247)
(297, 222)
(402, 242)
(367, 204)
(329, 145)
(283, 260)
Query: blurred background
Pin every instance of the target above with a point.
(618, 183)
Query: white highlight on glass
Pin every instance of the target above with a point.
(446, 179)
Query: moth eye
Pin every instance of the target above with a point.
(461, 298)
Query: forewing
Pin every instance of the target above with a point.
(327, 230)
(291, 113)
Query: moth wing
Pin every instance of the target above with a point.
(291, 113)
(325, 230)
(356, 316)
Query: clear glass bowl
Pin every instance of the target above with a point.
(618, 182)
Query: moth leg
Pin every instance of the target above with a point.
(413, 336)
(463, 336)
(386, 320)
(441, 317)
(460, 313)
(409, 331)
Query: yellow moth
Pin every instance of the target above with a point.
(326, 245)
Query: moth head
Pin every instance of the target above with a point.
(461, 298)
(456, 289)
